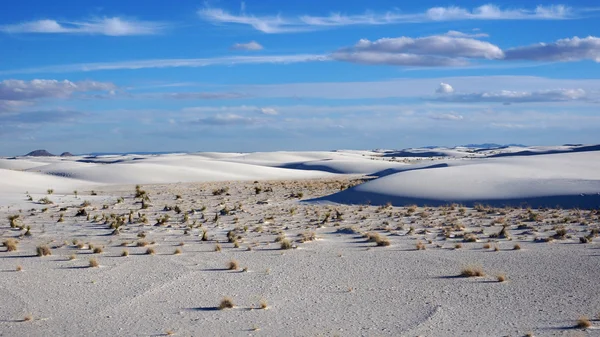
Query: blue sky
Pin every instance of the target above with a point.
(116, 76)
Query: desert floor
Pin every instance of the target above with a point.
(350, 269)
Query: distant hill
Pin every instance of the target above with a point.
(491, 145)
(66, 154)
(40, 153)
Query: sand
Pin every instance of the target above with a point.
(333, 281)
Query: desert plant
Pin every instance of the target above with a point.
(583, 323)
(72, 257)
(19, 268)
(458, 246)
(50, 191)
(517, 246)
(177, 251)
(232, 265)
(486, 246)
(501, 277)
(263, 304)
(420, 245)
(10, 244)
(472, 271)
(226, 303)
(94, 263)
(285, 244)
(125, 252)
(98, 250)
(13, 220)
(43, 250)
(150, 251)
(217, 247)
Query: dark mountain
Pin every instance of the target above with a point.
(66, 154)
(491, 145)
(40, 153)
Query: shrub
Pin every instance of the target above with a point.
(472, 271)
(19, 268)
(517, 246)
(94, 263)
(458, 246)
(285, 244)
(420, 245)
(72, 257)
(217, 247)
(43, 250)
(501, 277)
(150, 251)
(125, 253)
(486, 246)
(142, 243)
(583, 323)
(226, 303)
(177, 251)
(263, 304)
(232, 265)
(10, 244)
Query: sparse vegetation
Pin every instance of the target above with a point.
(10, 244)
(43, 250)
(472, 271)
(583, 323)
(94, 263)
(226, 303)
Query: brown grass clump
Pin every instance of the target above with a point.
(458, 246)
(43, 250)
(125, 253)
(150, 251)
(420, 245)
(217, 247)
(486, 246)
(232, 265)
(583, 323)
(142, 243)
(28, 318)
(517, 246)
(98, 250)
(501, 277)
(177, 251)
(226, 303)
(286, 244)
(472, 271)
(263, 304)
(10, 244)
(94, 263)
(19, 268)
(72, 257)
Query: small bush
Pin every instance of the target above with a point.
(458, 246)
(263, 304)
(142, 243)
(501, 277)
(232, 265)
(486, 246)
(583, 323)
(94, 263)
(226, 303)
(43, 250)
(10, 244)
(125, 252)
(285, 244)
(217, 247)
(19, 268)
(150, 251)
(98, 250)
(517, 247)
(177, 251)
(472, 271)
(420, 245)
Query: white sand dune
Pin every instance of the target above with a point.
(566, 180)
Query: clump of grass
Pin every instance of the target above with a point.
(263, 304)
(486, 246)
(226, 303)
(583, 323)
(517, 246)
(142, 243)
(72, 257)
(19, 268)
(98, 250)
(10, 244)
(150, 251)
(43, 250)
(217, 247)
(286, 244)
(28, 318)
(232, 265)
(125, 252)
(472, 271)
(177, 251)
(94, 263)
(420, 245)
(458, 246)
(501, 277)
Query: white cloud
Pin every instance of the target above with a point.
(437, 50)
(250, 46)
(455, 33)
(114, 26)
(280, 24)
(564, 50)
(508, 97)
(444, 88)
(18, 90)
(269, 111)
(446, 116)
(226, 119)
(174, 63)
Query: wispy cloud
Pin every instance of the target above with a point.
(174, 63)
(114, 26)
(250, 46)
(508, 96)
(279, 24)
(563, 50)
(226, 119)
(437, 50)
(17, 90)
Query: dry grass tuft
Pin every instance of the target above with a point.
(232, 265)
(72, 257)
(125, 252)
(486, 246)
(94, 263)
(583, 323)
(28, 318)
(472, 271)
(43, 250)
(142, 243)
(458, 246)
(286, 244)
(98, 250)
(517, 246)
(10, 244)
(263, 304)
(150, 251)
(420, 245)
(226, 303)
(217, 247)
(19, 268)
(177, 251)
(501, 277)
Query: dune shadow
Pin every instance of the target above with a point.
(203, 309)
(17, 256)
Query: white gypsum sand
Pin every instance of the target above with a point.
(352, 269)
